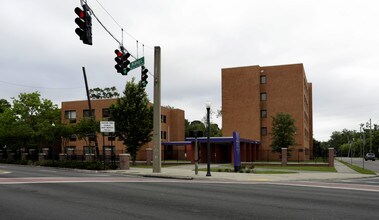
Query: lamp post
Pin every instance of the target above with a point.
(53, 145)
(362, 144)
(208, 106)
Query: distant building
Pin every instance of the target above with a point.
(172, 128)
(252, 95)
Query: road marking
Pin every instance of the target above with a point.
(4, 172)
(51, 171)
(261, 180)
(79, 180)
(345, 186)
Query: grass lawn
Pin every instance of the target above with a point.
(358, 169)
(303, 168)
(273, 172)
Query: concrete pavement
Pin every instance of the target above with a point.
(187, 172)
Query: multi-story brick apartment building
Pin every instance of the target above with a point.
(252, 95)
(172, 128)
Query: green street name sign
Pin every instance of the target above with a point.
(137, 63)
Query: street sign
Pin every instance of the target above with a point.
(137, 63)
(107, 126)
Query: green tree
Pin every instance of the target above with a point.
(30, 122)
(133, 118)
(283, 132)
(106, 93)
(4, 104)
(35, 117)
(86, 128)
(194, 126)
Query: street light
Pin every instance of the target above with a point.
(362, 144)
(208, 106)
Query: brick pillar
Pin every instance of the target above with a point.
(62, 156)
(331, 157)
(284, 156)
(24, 156)
(41, 156)
(124, 161)
(149, 156)
(90, 157)
(45, 151)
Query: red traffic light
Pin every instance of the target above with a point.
(80, 12)
(118, 53)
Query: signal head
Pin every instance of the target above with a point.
(80, 12)
(118, 53)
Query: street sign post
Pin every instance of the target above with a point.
(137, 63)
(107, 126)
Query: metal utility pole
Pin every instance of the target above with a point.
(157, 111)
(370, 138)
(362, 144)
(208, 140)
(90, 110)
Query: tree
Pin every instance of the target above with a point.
(85, 128)
(195, 126)
(4, 104)
(106, 93)
(200, 126)
(283, 132)
(133, 118)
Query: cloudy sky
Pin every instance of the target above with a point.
(337, 41)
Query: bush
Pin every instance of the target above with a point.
(89, 165)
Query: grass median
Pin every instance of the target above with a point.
(273, 169)
(358, 169)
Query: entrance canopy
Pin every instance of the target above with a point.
(222, 149)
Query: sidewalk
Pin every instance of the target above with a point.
(187, 172)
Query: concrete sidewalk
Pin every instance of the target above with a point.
(187, 172)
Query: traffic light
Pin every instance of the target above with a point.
(84, 21)
(122, 62)
(144, 76)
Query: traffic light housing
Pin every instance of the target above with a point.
(144, 76)
(122, 62)
(84, 22)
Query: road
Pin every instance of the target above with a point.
(371, 165)
(45, 193)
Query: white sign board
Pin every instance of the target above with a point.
(107, 126)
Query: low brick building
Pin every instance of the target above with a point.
(72, 111)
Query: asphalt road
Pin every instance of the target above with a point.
(153, 198)
(371, 165)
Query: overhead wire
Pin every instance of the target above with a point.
(36, 87)
(118, 24)
(122, 31)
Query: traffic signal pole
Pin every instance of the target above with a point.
(157, 111)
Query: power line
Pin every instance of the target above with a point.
(118, 24)
(36, 87)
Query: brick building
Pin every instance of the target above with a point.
(252, 95)
(172, 128)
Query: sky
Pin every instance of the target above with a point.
(336, 40)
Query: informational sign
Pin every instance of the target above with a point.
(107, 126)
(137, 63)
(236, 151)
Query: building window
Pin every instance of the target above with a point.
(105, 112)
(70, 150)
(72, 137)
(86, 113)
(163, 135)
(263, 131)
(163, 118)
(263, 113)
(263, 79)
(263, 96)
(70, 115)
